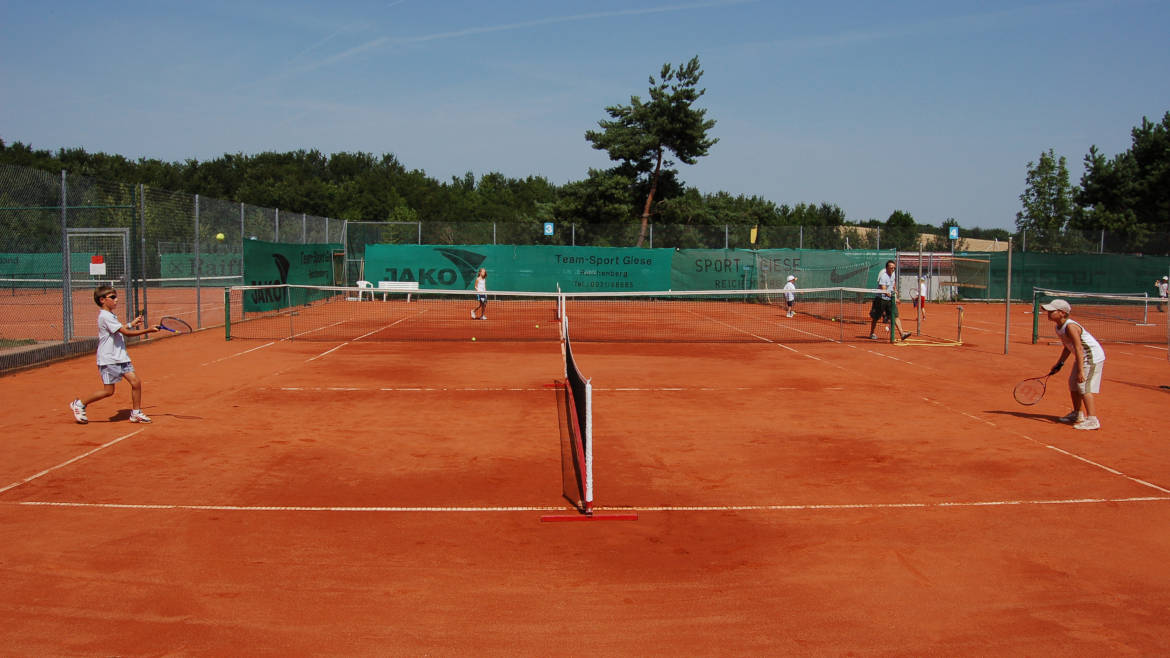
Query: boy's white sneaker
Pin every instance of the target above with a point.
(78, 410)
(139, 417)
(1088, 423)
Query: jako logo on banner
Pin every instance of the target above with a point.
(272, 294)
(466, 262)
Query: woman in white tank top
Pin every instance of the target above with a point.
(1084, 382)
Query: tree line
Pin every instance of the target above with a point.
(1126, 197)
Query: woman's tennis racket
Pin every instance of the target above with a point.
(174, 325)
(1031, 391)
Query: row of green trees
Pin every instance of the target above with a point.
(1126, 197)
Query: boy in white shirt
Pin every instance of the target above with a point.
(790, 297)
(112, 359)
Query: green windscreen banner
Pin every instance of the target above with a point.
(534, 268)
(275, 263)
(182, 266)
(41, 266)
(541, 268)
(730, 269)
(1112, 273)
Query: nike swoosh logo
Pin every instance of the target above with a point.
(467, 262)
(842, 278)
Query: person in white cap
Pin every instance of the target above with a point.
(1162, 285)
(1084, 382)
(790, 297)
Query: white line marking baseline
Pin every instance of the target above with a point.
(545, 508)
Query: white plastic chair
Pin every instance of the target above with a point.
(364, 285)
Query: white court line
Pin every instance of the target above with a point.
(1052, 447)
(326, 352)
(546, 508)
(68, 462)
(232, 356)
(476, 389)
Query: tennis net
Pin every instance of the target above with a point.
(576, 398)
(1110, 317)
(346, 313)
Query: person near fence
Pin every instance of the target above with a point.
(1162, 285)
(883, 302)
(480, 295)
(920, 297)
(113, 360)
(790, 297)
(1084, 382)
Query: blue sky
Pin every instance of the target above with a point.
(930, 107)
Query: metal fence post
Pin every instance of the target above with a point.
(67, 280)
(142, 243)
(198, 269)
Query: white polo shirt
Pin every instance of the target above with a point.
(111, 347)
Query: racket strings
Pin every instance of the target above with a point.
(1030, 391)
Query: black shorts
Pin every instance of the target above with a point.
(880, 309)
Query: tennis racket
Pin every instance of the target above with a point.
(174, 325)
(1031, 391)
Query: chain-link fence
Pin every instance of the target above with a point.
(183, 249)
(170, 254)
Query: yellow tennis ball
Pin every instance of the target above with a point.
(220, 236)
(538, 326)
(473, 338)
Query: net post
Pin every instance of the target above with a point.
(588, 447)
(227, 313)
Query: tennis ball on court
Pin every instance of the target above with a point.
(220, 236)
(473, 338)
(538, 326)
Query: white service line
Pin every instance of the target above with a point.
(70, 461)
(1052, 447)
(232, 356)
(521, 389)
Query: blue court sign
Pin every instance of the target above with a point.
(548, 228)
(954, 232)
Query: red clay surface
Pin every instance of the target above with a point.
(358, 498)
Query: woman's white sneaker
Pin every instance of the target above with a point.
(1088, 423)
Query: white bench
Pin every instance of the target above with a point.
(398, 286)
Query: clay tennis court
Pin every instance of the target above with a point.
(384, 498)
